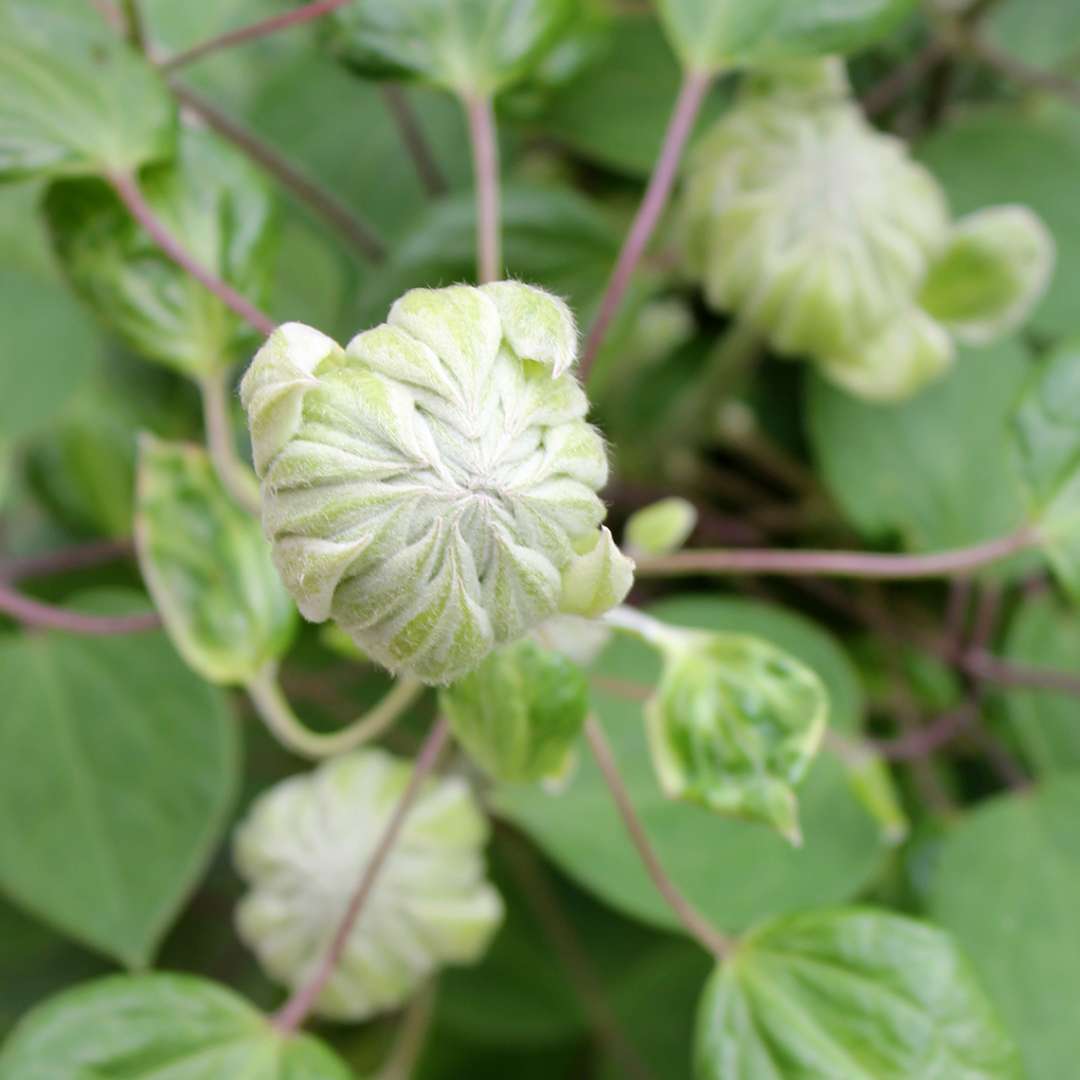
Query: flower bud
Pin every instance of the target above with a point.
(661, 527)
(302, 848)
(804, 221)
(432, 488)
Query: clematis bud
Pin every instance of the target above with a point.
(301, 849)
(432, 487)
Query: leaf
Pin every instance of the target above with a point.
(1045, 33)
(1047, 440)
(1008, 887)
(48, 347)
(520, 713)
(471, 47)
(854, 993)
(146, 1026)
(75, 98)
(218, 203)
(936, 470)
(207, 565)
(995, 269)
(119, 766)
(1000, 155)
(713, 35)
(1044, 633)
(734, 725)
(552, 237)
(750, 872)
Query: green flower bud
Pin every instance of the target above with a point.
(734, 725)
(301, 849)
(804, 221)
(996, 268)
(520, 713)
(432, 488)
(662, 527)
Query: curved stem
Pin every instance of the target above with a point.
(44, 616)
(237, 479)
(485, 152)
(127, 189)
(252, 31)
(306, 190)
(412, 135)
(276, 712)
(687, 105)
(852, 564)
(95, 553)
(411, 1035)
(652, 631)
(295, 1010)
(696, 924)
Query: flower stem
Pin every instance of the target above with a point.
(127, 189)
(695, 923)
(687, 106)
(485, 152)
(42, 616)
(252, 31)
(273, 707)
(412, 135)
(644, 627)
(95, 553)
(412, 1033)
(981, 664)
(237, 479)
(293, 1013)
(851, 564)
(306, 190)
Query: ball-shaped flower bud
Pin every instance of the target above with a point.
(804, 221)
(302, 849)
(433, 486)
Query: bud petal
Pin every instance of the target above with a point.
(595, 580)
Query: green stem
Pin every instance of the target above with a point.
(237, 479)
(411, 1036)
(272, 705)
(644, 627)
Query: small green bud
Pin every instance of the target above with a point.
(996, 268)
(432, 488)
(661, 528)
(520, 713)
(734, 725)
(301, 848)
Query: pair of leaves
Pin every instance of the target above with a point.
(207, 565)
(143, 1026)
(859, 994)
(75, 98)
(219, 203)
(117, 768)
(711, 35)
(471, 47)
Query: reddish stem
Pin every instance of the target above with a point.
(324, 203)
(412, 135)
(983, 665)
(485, 152)
(127, 188)
(252, 31)
(922, 742)
(687, 106)
(852, 564)
(95, 553)
(44, 616)
(293, 1013)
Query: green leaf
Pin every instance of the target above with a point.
(712, 35)
(520, 713)
(995, 269)
(935, 470)
(207, 565)
(1045, 33)
(855, 993)
(48, 346)
(1047, 438)
(999, 156)
(1008, 887)
(75, 98)
(120, 766)
(472, 47)
(1044, 633)
(759, 873)
(141, 1027)
(218, 203)
(552, 237)
(734, 726)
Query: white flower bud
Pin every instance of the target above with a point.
(302, 849)
(433, 486)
